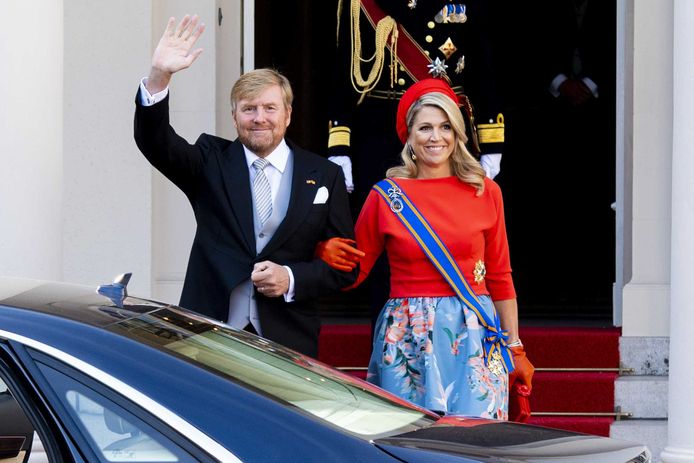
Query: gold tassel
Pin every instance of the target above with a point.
(386, 27)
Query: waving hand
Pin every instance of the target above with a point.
(174, 51)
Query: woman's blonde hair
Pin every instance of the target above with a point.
(253, 83)
(463, 164)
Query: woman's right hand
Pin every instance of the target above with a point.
(339, 253)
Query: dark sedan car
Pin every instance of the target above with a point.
(104, 377)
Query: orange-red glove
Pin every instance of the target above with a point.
(339, 253)
(523, 371)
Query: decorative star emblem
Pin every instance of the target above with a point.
(448, 48)
(460, 65)
(480, 271)
(438, 68)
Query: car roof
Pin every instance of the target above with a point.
(69, 301)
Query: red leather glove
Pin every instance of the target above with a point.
(523, 371)
(339, 253)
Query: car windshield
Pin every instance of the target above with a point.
(284, 375)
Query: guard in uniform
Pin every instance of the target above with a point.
(383, 47)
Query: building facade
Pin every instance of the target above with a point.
(79, 203)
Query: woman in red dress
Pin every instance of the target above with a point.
(429, 345)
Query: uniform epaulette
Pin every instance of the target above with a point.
(338, 135)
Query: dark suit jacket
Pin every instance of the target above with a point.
(213, 174)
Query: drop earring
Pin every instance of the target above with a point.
(411, 151)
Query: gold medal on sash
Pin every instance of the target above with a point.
(495, 365)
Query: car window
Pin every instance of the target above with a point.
(114, 434)
(18, 441)
(283, 375)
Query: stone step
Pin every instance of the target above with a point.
(642, 396)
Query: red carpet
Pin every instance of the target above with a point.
(575, 392)
(555, 391)
(345, 345)
(562, 347)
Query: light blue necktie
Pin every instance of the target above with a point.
(262, 192)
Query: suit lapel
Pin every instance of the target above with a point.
(305, 182)
(237, 186)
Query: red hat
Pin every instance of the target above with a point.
(413, 94)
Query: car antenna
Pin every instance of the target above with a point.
(116, 291)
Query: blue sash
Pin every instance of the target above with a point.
(497, 355)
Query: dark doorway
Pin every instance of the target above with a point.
(558, 173)
(297, 37)
(558, 170)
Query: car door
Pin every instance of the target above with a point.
(28, 434)
(89, 421)
(16, 432)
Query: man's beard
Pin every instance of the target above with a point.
(258, 144)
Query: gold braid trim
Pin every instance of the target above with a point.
(492, 132)
(339, 13)
(339, 136)
(385, 27)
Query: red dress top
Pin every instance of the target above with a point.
(472, 228)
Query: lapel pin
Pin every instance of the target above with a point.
(311, 182)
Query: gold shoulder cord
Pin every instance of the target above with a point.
(385, 27)
(337, 32)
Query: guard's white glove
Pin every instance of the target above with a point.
(491, 163)
(346, 163)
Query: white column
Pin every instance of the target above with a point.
(199, 103)
(647, 205)
(248, 51)
(680, 446)
(108, 184)
(31, 139)
(192, 109)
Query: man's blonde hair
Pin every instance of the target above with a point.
(253, 83)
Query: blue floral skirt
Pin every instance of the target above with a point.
(428, 350)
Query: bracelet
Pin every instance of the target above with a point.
(516, 343)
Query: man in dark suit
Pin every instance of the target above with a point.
(261, 203)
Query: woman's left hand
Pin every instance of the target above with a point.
(523, 370)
